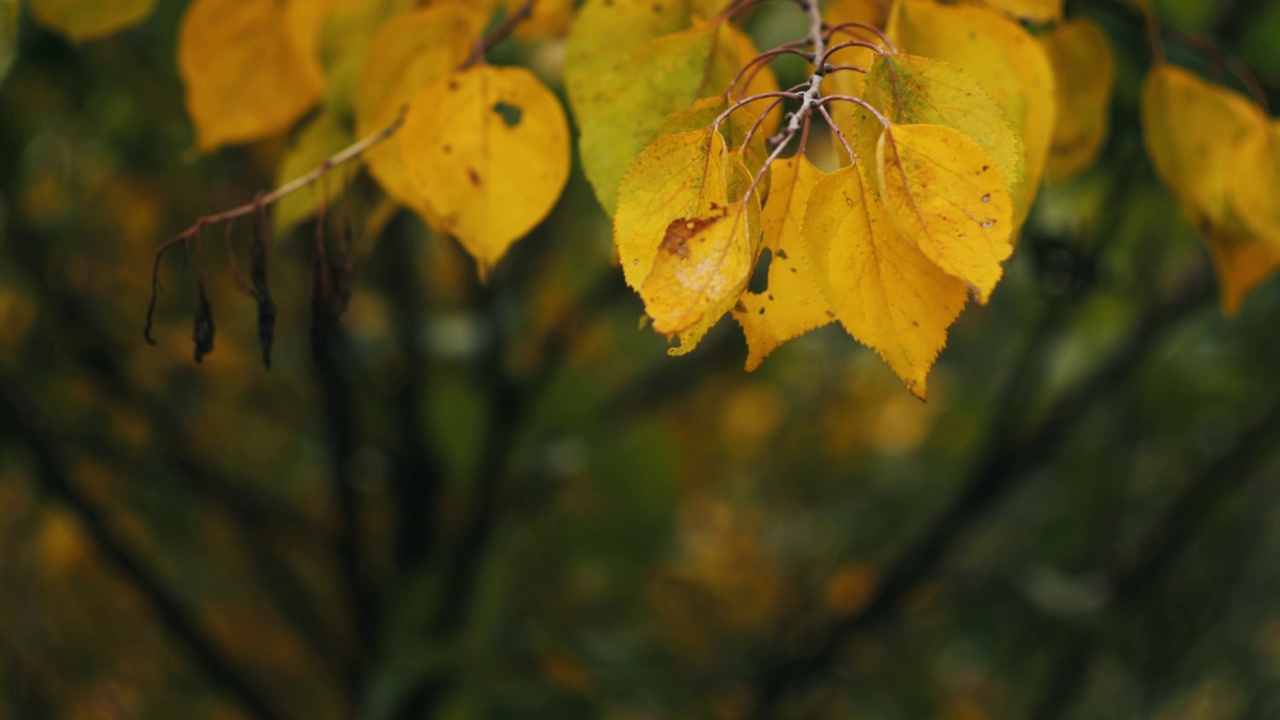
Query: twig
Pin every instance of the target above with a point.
(499, 33)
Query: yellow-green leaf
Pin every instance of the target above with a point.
(678, 176)
(489, 150)
(1255, 182)
(919, 90)
(550, 18)
(1085, 70)
(1006, 61)
(622, 113)
(884, 291)
(86, 19)
(246, 78)
(791, 304)
(945, 193)
(323, 137)
(409, 52)
(605, 31)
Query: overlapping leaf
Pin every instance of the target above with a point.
(1007, 63)
(884, 291)
(1255, 182)
(488, 149)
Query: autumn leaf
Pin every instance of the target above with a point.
(1192, 129)
(1255, 182)
(909, 89)
(409, 52)
(550, 18)
(489, 150)
(734, 129)
(1008, 64)
(791, 304)
(945, 193)
(245, 76)
(701, 267)
(677, 176)
(1038, 10)
(87, 19)
(606, 31)
(1085, 71)
(623, 112)
(884, 291)
(841, 12)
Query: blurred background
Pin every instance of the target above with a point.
(506, 501)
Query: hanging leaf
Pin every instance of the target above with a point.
(909, 89)
(945, 193)
(884, 291)
(702, 266)
(1192, 129)
(1007, 63)
(1255, 182)
(791, 304)
(839, 12)
(87, 19)
(606, 31)
(246, 78)
(678, 176)
(489, 149)
(408, 53)
(1084, 70)
(622, 114)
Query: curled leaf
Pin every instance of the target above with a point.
(203, 329)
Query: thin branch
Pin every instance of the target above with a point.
(499, 33)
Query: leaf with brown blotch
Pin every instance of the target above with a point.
(884, 291)
(701, 267)
(791, 304)
(945, 194)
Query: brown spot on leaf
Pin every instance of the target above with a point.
(474, 177)
(676, 240)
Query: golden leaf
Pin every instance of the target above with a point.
(489, 150)
(884, 291)
(945, 194)
(1006, 61)
(550, 18)
(792, 304)
(1039, 10)
(1085, 71)
(87, 19)
(606, 31)
(1255, 182)
(1192, 129)
(409, 52)
(245, 76)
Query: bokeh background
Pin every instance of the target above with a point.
(506, 501)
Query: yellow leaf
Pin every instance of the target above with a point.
(702, 266)
(606, 31)
(840, 12)
(791, 305)
(86, 19)
(321, 138)
(1006, 61)
(1085, 71)
(622, 113)
(245, 76)
(1038, 10)
(550, 18)
(1192, 129)
(884, 291)
(1255, 182)
(489, 149)
(409, 52)
(945, 193)
(919, 90)
(678, 176)
(703, 112)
